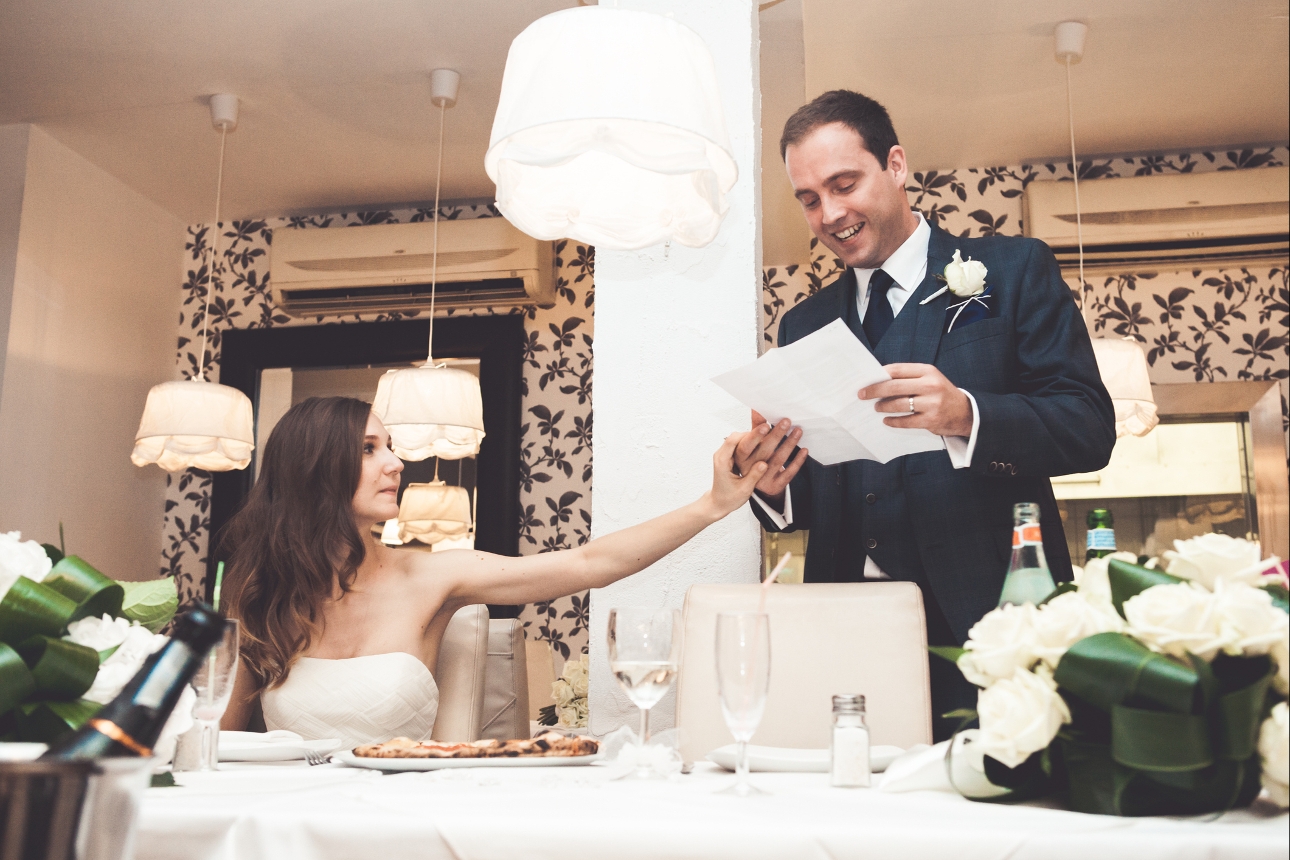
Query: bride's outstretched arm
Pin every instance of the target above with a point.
(485, 578)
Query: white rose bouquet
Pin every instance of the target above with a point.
(570, 694)
(70, 639)
(1136, 691)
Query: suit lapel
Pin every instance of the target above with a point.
(930, 322)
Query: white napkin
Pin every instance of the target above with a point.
(246, 739)
(623, 751)
(920, 769)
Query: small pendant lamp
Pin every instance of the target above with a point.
(194, 423)
(1121, 363)
(609, 130)
(432, 410)
(433, 512)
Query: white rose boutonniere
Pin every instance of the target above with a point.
(965, 279)
(1274, 747)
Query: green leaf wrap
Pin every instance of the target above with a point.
(93, 592)
(1280, 596)
(1109, 668)
(16, 682)
(62, 670)
(947, 652)
(152, 603)
(46, 722)
(30, 608)
(1128, 580)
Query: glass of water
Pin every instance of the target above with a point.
(214, 685)
(644, 649)
(743, 677)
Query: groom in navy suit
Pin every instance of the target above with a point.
(1007, 377)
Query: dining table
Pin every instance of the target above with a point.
(293, 811)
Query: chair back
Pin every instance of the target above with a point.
(826, 639)
(506, 682)
(459, 673)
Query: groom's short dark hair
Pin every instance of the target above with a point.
(860, 113)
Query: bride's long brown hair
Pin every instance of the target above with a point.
(295, 540)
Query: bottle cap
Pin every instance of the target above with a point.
(849, 704)
(201, 627)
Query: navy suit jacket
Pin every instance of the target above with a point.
(1043, 412)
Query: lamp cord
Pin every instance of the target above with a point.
(434, 256)
(1079, 226)
(212, 252)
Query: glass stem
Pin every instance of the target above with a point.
(644, 726)
(210, 745)
(741, 764)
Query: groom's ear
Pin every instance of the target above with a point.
(897, 165)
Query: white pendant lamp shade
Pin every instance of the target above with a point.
(431, 412)
(466, 542)
(195, 424)
(433, 512)
(1124, 373)
(609, 130)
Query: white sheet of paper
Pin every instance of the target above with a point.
(814, 382)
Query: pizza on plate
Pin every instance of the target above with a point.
(544, 745)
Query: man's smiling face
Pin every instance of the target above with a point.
(857, 208)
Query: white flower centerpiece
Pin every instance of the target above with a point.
(570, 694)
(1140, 692)
(71, 638)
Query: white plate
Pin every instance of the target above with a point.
(281, 751)
(21, 751)
(406, 764)
(786, 760)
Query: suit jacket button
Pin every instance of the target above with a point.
(871, 498)
(871, 544)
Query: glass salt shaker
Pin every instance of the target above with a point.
(850, 747)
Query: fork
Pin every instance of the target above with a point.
(315, 758)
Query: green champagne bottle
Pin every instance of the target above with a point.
(1101, 534)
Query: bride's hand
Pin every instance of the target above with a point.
(729, 490)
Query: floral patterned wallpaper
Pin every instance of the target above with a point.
(1196, 325)
(555, 465)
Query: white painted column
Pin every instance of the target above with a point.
(667, 320)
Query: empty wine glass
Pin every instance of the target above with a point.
(644, 649)
(214, 685)
(743, 677)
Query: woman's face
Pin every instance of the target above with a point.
(377, 496)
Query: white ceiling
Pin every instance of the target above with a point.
(336, 110)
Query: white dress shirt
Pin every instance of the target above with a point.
(907, 268)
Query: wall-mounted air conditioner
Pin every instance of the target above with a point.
(386, 267)
(1166, 222)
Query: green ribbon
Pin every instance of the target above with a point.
(46, 722)
(61, 669)
(31, 608)
(93, 593)
(16, 682)
(1112, 668)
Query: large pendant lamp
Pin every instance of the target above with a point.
(194, 423)
(609, 130)
(432, 410)
(1121, 363)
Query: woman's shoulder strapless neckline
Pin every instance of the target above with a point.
(366, 699)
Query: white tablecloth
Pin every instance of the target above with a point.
(321, 813)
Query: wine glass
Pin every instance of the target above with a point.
(214, 685)
(644, 649)
(743, 676)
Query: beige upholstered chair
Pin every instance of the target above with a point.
(506, 683)
(460, 672)
(826, 639)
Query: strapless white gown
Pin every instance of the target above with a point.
(360, 700)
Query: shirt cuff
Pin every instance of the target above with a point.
(781, 521)
(960, 448)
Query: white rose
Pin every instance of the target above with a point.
(568, 717)
(1274, 748)
(1176, 619)
(139, 644)
(20, 557)
(576, 673)
(1093, 579)
(1247, 617)
(1209, 558)
(1280, 654)
(1019, 715)
(1068, 618)
(98, 633)
(965, 279)
(1002, 642)
(562, 692)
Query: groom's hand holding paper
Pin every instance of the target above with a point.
(814, 382)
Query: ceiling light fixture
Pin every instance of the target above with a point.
(1121, 363)
(609, 130)
(193, 423)
(433, 410)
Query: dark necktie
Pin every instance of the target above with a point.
(878, 316)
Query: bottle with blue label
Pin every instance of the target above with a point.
(1101, 534)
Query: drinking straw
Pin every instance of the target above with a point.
(765, 586)
(219, 581)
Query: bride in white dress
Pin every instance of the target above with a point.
(339, 631)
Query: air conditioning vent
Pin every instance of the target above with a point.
(482, 262)
(1154, 223)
